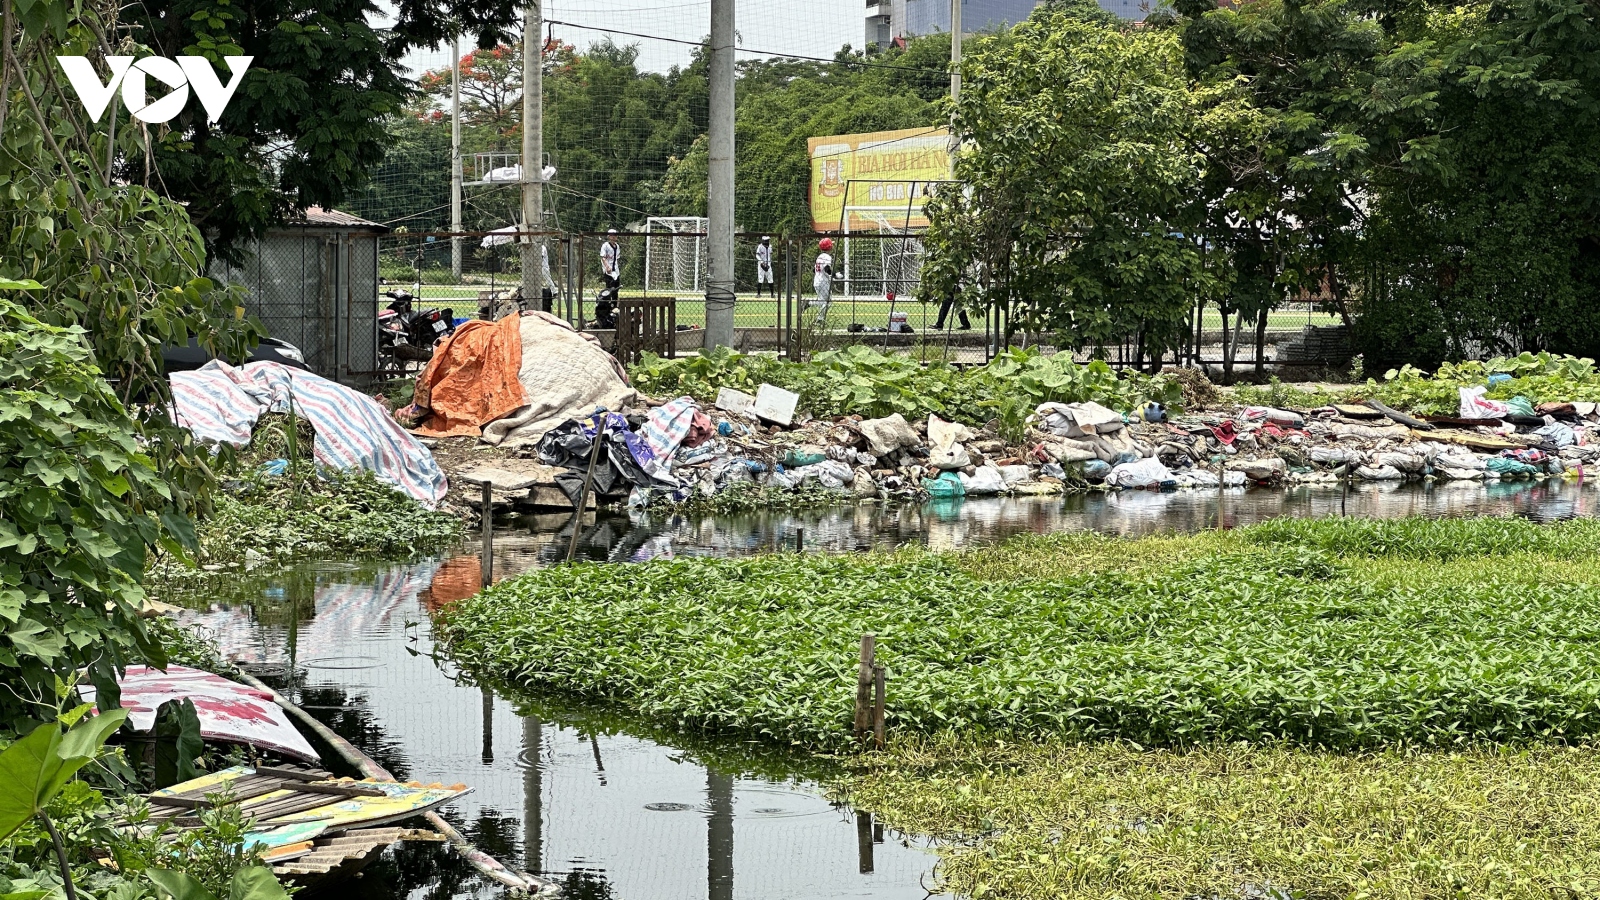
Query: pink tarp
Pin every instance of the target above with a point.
(228, 711)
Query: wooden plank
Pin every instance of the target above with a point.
(340, 790)
(180, 802)
(295, 774)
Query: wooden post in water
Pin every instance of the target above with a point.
(864, 842)
(800, 540)
(878, 678)
(864, 687)
(488, 532)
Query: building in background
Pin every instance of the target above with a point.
(891, 19)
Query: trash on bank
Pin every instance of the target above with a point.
(227, 710)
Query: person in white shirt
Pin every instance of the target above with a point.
(605, 305)
(822, 277)
(611, 260)
(764, 267)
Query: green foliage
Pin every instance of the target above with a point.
(34, 769)
(858, 380)
(1264, 636)
(308, 121)
(1079, 202)
(305, 514)
(80, 504)
(747, 496)
(1063, 821)
(1541, 377)
(248, 883)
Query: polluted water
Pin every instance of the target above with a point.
(596, 805)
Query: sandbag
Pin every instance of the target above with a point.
(1014, 474)
(947, 485)
(1379, 473)
(1405, 462)
(986, 480)
(889, 434)
(1143, 473)
(1077, 420)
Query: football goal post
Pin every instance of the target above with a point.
(675, 254)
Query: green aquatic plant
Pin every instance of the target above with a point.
(1277, 634)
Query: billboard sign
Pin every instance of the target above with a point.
(883, 176)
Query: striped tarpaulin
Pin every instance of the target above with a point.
(219, 402)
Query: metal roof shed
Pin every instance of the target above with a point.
(313, 282)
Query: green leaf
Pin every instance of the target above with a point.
(178, 885)
(27, 769)
(23, 284)
(256, 883)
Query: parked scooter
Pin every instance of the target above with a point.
(407, 334)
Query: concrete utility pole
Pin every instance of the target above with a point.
(532, 148)
(955, 49)
(455, 157)
(955, 78)
(720, 296)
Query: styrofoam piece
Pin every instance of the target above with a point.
(775, 404)
(736, 402)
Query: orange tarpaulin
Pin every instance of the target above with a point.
(472, 378)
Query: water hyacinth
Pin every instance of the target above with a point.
(1289, 632)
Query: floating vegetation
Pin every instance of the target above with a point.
(1288, 632)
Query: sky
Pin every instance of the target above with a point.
(802, 27)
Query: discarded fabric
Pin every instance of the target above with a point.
(218, 402)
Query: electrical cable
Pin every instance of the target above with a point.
(822, 59)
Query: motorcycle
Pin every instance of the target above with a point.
(409, 335)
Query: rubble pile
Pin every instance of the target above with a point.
(676, 451)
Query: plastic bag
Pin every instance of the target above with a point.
(1475, 406)
(805, 455)
(1521, 406)
(829, 473)
(945, 440)
(947, 485)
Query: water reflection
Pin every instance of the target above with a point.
(615, 815)
(568, 798)
(534, 541)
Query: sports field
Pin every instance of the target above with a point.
(867, 311)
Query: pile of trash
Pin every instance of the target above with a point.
(677, 450)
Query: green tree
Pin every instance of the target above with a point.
(1079, 184)
(92, 478)
(308, 121)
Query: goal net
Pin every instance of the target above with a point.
(880, 254)
(675, 254)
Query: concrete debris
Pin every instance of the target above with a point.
(1062, 446)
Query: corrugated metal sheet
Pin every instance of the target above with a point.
(317, 217)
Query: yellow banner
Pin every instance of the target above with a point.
(881, 178)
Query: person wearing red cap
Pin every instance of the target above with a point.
(822, 277)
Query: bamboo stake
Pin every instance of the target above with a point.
(600, 417)
(487, 509)
(863, 723)
(878, 713)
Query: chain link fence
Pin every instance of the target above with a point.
(316, 288)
